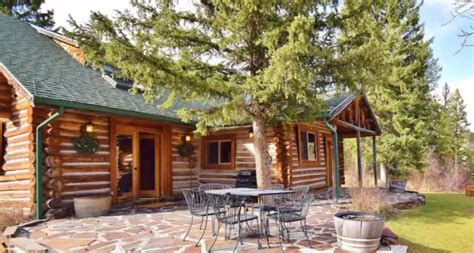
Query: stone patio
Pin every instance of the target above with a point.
(162, 229)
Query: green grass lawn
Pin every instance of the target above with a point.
(444, 224)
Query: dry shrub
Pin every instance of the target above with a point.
(11, 217)
(440, 176)
(371, 200)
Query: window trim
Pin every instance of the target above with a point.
(218, 138)
(303, 128)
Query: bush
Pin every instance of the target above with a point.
(11, 217)
(371, 200)
(440, 176)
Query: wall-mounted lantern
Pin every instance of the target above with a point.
(86, 143)
(251, 133)
(187, 138)
(185, 149)
(88, 127)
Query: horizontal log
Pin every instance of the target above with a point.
(83, 158)
(18, 166)
(11, 187)
(16, 204)
(15, 177)
(85, 178)
(85, 169)
(18, 130)
(15, 194)
(353, 127)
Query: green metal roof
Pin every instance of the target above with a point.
(54, 77)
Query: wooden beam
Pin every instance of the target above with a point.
(354, 127)
(359, 153)
(374, 151)
(113, 158)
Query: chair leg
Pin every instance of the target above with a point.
(215, 238)
(202, 219)
(267, 232)
(258, 235)
(305, 231)
(203, 232)
(238, 238)
(189, 229)
(280, 234)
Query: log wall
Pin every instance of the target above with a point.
(314, 176)
(17, 170)
(67, 173)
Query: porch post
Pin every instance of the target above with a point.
(374, 151)
(359, 155)
(359, 160)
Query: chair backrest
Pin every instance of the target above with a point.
(213, 186)
(298, 191)
(225, 208)
(276, 187)
(294, 208)
(270, 199)
(197, 202)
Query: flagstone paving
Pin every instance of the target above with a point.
(162, 230)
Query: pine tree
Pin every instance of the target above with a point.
(28, 10)
(408, 72)
(260, 61)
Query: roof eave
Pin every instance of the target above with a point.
(104, 109)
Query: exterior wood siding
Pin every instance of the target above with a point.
(68, 174)
(17, 171)
(314, 176)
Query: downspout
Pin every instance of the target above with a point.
(39, 162)
(336, 155)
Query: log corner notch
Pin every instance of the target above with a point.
(39, 161)
(356, 119)
(5, 99)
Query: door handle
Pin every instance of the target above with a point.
(135, 168)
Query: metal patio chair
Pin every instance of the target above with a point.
(212, 186)
(198, 205)
(226, 213)
(289, 212)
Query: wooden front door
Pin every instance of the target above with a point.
(138, 162)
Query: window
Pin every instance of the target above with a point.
(308, 140)
(218, 152)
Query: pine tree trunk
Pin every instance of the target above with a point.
(262, 157)
(383, 175)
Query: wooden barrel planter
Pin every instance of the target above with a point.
(92, 206)
(358, 231)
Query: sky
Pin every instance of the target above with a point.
(458, 68)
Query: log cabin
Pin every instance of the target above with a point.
(69, 131)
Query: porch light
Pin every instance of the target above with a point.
(89, 127)
(187, 138)
(251, 133)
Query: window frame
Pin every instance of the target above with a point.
(218, 138)
(315, 131)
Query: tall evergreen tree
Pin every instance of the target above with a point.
(28, 10)
(407, 73)
(258, 61)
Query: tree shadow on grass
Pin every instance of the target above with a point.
(418, 248)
